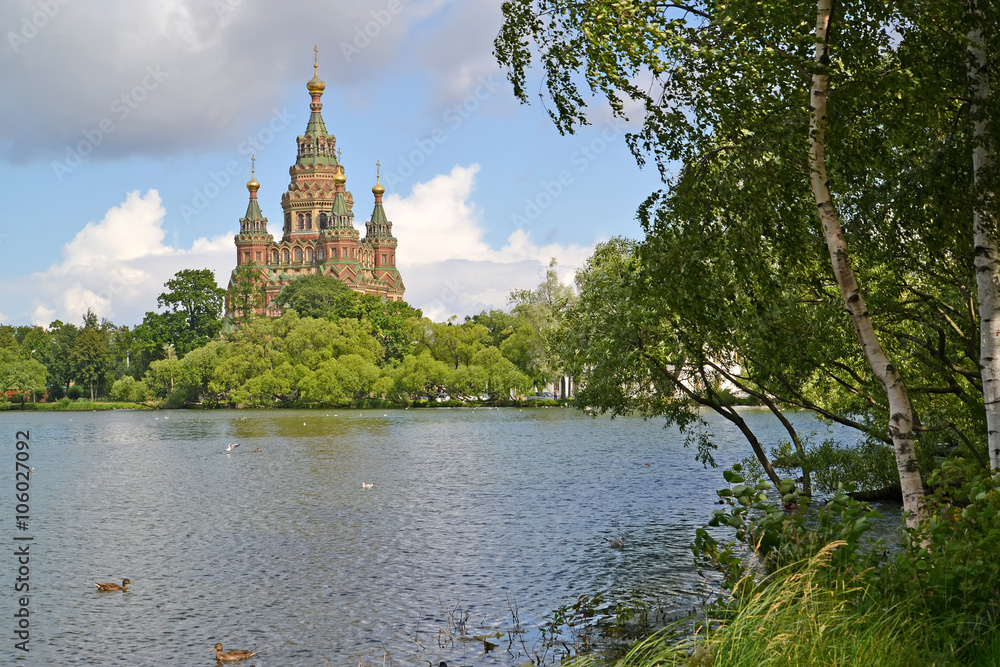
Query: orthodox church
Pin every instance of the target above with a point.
(318, 235)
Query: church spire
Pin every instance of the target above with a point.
(339, 209)
(253, 208)
(316, 146)
(379, 226)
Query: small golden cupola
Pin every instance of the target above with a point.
(315, 85)
(252, 185)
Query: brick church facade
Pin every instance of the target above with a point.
(318, 235)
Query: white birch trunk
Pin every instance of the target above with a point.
(987, 253)
(900, 409)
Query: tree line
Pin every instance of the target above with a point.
(332, 346)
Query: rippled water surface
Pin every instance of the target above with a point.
(479, 511)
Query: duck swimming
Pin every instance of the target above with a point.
(366, 485)
(617, 543)
(114, 587)
(231, 656)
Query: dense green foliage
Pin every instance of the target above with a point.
(731, 290)
(246, 294)
(820, 243)
(332, 346)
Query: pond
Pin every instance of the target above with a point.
(474, 516)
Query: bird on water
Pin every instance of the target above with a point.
(231, 656)
(232, 446)
(366, 485)
(617, 543)
(114, 587)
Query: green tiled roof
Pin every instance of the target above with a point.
(378, 215)
(339, 205)
(253, 211)
(316, 126)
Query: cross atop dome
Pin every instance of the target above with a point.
(315, 85)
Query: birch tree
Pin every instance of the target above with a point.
(716, 77)
(901, 418)
(982, 112)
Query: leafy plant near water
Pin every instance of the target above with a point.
(950, 572)
(805, 591)
(768, 537)
(596, 621)
(869, 465)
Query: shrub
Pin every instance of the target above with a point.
(772, 537)
(129, 390)
(949, 570)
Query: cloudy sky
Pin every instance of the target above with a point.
(127, 126)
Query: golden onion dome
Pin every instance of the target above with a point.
(252, 184)
(378, 190)
(339, 177)
(316, 85)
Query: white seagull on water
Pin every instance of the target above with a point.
(232, 446)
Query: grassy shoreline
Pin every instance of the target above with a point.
(80, 405)
(798, 618)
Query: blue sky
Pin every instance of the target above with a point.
(127, 131)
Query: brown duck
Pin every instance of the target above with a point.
(114, 587)
(231, 656)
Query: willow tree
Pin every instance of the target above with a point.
(713, 78)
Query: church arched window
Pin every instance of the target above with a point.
(298, 254)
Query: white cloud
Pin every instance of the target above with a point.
(127, 232)
(42, 316)
(447, 266)
(439, 220)
(117, 267)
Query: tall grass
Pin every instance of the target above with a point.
(801, 616)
